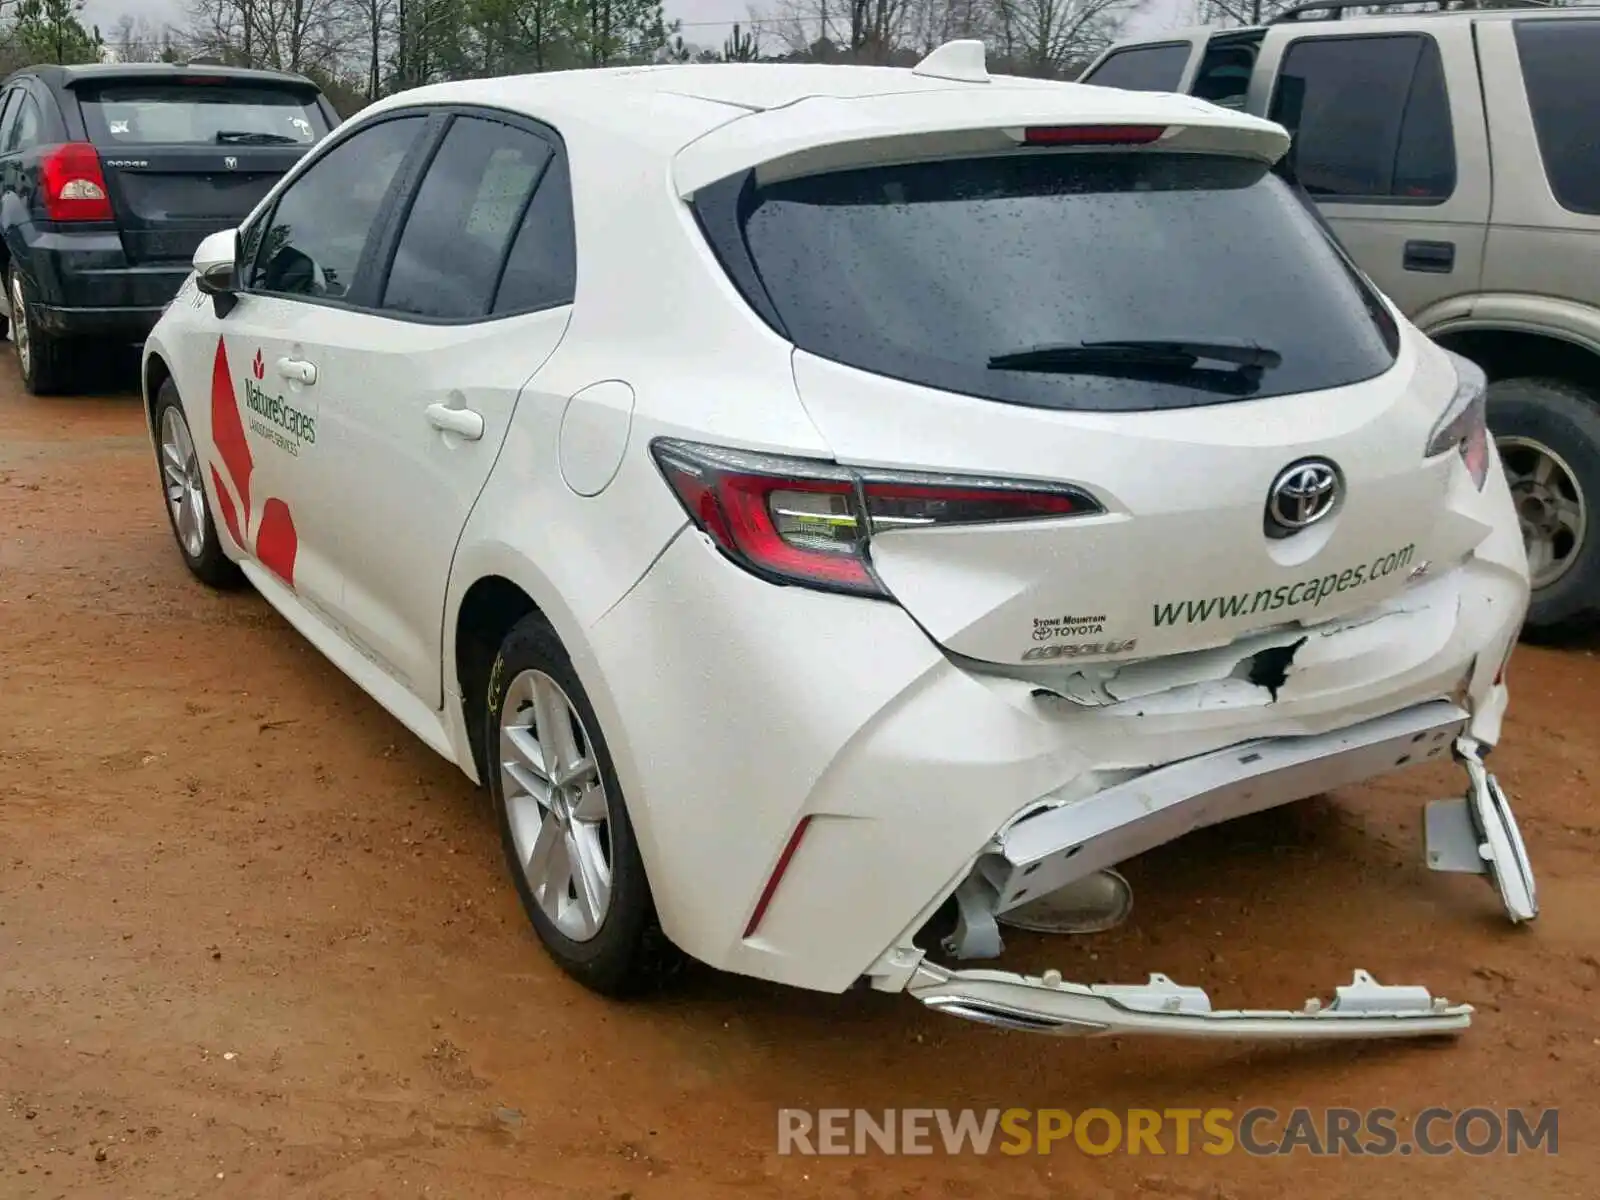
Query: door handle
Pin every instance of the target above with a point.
(297, 370)
(462, 422)
(1435, 258)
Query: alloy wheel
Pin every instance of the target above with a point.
(1551, 509)
(19, 324)
(556, 805)
(180, 477)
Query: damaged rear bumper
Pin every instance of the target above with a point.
(1362, 1009)
(1051, 847)
(1055, 846)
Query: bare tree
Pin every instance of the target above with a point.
(291, 35)
(861, 30)
(932, 23)
(134, 40)
(1051, 37)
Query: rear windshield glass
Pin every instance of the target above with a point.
(211, 114)
(930, 272)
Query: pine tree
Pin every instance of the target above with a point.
(50, 31)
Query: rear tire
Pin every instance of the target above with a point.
(44, 360)
(538, 717)
(1548, 435)
(183, 491)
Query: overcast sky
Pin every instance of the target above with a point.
(706, 22)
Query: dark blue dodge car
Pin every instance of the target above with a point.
(110, 176)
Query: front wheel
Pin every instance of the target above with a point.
(182, 486)
(564, 825)
(1548, 435)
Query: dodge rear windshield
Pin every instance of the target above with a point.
(1111, 281)
(202, 113)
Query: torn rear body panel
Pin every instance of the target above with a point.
(1324, 700)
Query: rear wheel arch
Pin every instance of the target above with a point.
(1544, 404)
(1511, 353)
(489, 610)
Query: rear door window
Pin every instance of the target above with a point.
(929, 272)
(25, 132)
(204, 113)
(469, 207)
(542, 271)
(1143, 68)
(8, 114)
(1370, 118)
(1561, 72)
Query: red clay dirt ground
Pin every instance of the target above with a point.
(255, 940)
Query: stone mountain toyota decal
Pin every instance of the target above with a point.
(276, 542)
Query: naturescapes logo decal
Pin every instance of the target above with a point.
(275, 419)
(1308, 591)
(276, 542)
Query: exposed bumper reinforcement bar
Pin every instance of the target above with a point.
(1052, 848)
(1362, 1009)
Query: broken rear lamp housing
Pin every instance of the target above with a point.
(1464, 426)
(808, 522)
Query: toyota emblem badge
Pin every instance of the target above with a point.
(1303, 493)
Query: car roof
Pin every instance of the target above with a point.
(666, 107)
(54, 75)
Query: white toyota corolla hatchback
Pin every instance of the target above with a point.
(840, 512)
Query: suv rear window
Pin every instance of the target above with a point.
(211, 114)
(1559, 71)
(925, 272)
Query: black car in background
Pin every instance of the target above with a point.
(110, 177)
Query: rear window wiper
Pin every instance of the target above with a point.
(1168, 353)
(244, 137)
(1174, 361)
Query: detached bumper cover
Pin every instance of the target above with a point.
(1362, 1009)
(1054, 847)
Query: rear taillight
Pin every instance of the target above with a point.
(72, 184)
(1463, 426)
(1092, 135)
(808, 522)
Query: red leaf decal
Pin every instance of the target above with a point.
(258, 367)
(276, 540)
(230, 517)
(227, 430)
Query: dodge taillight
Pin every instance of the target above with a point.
(808, 522)
(72, 184)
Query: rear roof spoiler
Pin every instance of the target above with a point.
(191, 72)
(832, 133)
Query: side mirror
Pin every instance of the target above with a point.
(215, 274)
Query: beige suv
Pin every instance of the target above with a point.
(1457, 157)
